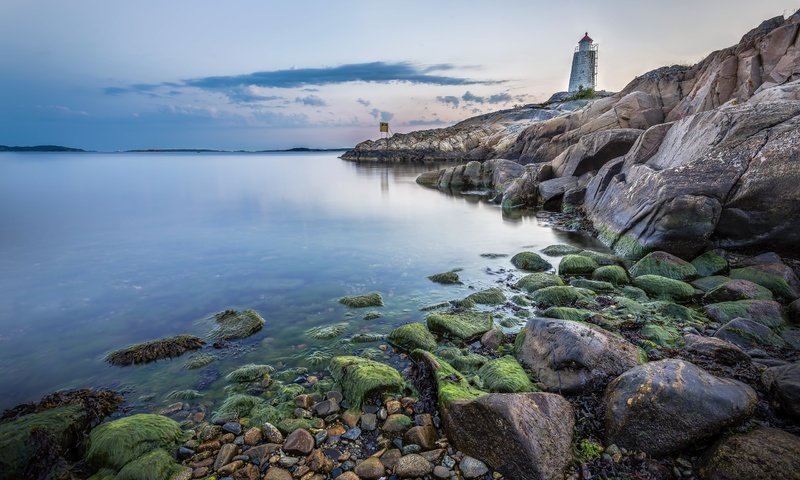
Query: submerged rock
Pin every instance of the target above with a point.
(662, 407)
(761, 454)
(373, 299)
(572, 357)
(232, 324)
(251, 373)
(490, 296)
(524, 436)
(155, 350)
(361, 378)
(446, 278)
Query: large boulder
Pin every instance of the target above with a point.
(524, 436)
(760, 454)
(765, 312)
(665, 265)
(783, 385)
(572, 357)
(593, 151)
(749, 334)
(361, 378)
(662, 407)
(777, 277)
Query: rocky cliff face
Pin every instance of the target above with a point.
(683, 159)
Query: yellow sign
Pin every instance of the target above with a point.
(385, 127)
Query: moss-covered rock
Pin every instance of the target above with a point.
(53, 429)
(157, 464)
(155, 350)
(490, 296)
(531, 262)
(449, 383)
(412, 336)
(612, 274)
(289, 425)
(446, 278)
(707, 283)
(505, 375)
(367, 337)
(601, 259)
(765, 312)
(535, 281)
(520, 300)
(777, 277)
(568, 313)
(465, 326)
(114, 444)
(665, 265)
(709, 264)
(235, 407)
(372, 315)
(577, 265)
(373, 299)
(634, 293)
(593, 285)
(661, 335)
(664, 288)
(361, 378)
(559, 250)
(232, 324)
(561, 296)
(463, 360)
(737, 290)
(250, 373)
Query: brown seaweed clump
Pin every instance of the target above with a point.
(155, 350)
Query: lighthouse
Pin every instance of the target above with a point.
(584, 65)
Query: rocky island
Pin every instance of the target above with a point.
(677, 356)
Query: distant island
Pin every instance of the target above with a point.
(205, 150)
(40, 148)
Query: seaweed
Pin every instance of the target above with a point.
(232, 324)
(112, 445)
(373, 299)
(360, 378)
(155, 350)
(530, 261)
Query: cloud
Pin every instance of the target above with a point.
(449, 100)
(249, 95)
(366, 103)
(62, 110)
(311, 100)
(500, 98)
(469, 97)
(382, 115)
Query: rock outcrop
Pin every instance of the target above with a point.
(763, 453)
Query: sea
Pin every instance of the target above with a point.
(102, 250)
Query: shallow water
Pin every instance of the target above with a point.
(98, 251)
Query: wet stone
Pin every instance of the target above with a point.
(472, 467)
(271, 434)
(352, 434)
(232, 427)
(299, 442)
(369, 422)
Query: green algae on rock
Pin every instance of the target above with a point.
(465, 326)
(611, 273)
(373, 299)
(327, 332)
(184, 395)
(569, 313)
(765, 312)
(709, 264)
(576, 265)
(665, 265)
(445, 278)
(777, 277)
(737, 290)
(562, 296)
(372, 315)
(366, 337)
(250, 373)
(708, 283)
(661, 335)
(598, 286)
(602, 259)
(664, 288)
(361, 378)
(559, 250)
(449, 383)
(114, 444)
(155, 350)
(530, 261)
(236, 406)
(199, 361)
(233, 325)
(412, 336)
(156, 464)
(490, 296)
(535, 281)
(464, 360)
(505, 375)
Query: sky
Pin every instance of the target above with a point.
(116, 75)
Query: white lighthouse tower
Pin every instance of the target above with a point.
(584, 65)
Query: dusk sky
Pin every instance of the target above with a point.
(113, 75)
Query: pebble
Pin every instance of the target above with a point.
(472, 467)
(225, 455)
(335, 396)
(299, 442)
(440, 471)
(352, 434)
(275, 473)
(369, 422)
(370, 469)
(271, 434)
(392, 406)
(413, 465)
(382, 414)
(346, 476)
(411, 448)
(232, 427)
(184, 453)
(320, 437)
(448, 462)
(288, 462)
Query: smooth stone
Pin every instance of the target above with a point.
(369, 422)
(352, 434)
(232, 427)
(761, 454)
(225, 455)
(413, 465)
(277, 473)
(425, 437)
(370, 469)
(472, 467)
(299, 442)
(271, 434)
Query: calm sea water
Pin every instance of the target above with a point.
(98, 251)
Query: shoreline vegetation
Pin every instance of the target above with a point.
(675, 357)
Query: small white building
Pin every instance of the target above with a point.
(584, 65)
